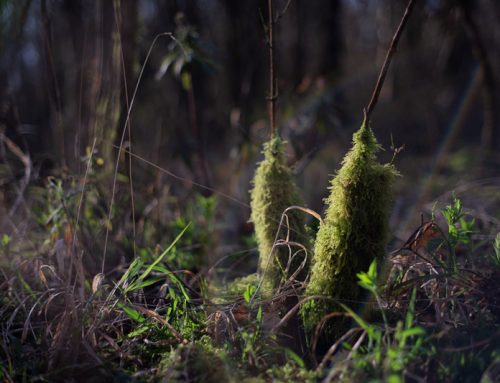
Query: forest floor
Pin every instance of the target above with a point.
(161, 309)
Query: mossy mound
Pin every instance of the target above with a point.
(194, 362)
(238, 286)
(273, 192)
(353, 233)
(229, 292)
(290, 372)
(285, 374)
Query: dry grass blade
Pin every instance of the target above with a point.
(305, 210)
(157, 317)
(97, 282)
(336, 345)
(321, 324)
(120, 147)
(26, 161)
(28, 318)
(286, 242)
(294, 310)
(359, 342)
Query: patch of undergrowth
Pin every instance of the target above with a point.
(195, 362)
(151, 317)
(197, 242)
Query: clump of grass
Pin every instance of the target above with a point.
(273, 192)
(353, 234)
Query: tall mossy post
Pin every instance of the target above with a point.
(273, 191)
(353, 233)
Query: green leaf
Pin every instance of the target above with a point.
(186, 80)
(247, 294)
(141, 284)
(259, 314)
(368, 280)
(394, 379)
(364, 325)
(411, 309)
(132, 313)
(139, 331)
(412, 332)
(6, 240)
(131, 271)
(162, 255)
(372, 271)
(293, 356)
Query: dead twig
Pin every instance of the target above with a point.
(157, 317)
(26, 161)
(387, 61)
(272, 91)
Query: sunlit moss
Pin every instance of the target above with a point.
(239, 285)
(274, 191)
(353, 234)
(194, 362)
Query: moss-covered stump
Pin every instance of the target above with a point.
(273, 192)
(194, 362)
(353, 233)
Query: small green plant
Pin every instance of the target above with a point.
(388, 351)
(273, 192)
(460, 229)
(495, 258)
(199, 240)
(5, 245)
(353, 233)
(177, 311)
(293, 371)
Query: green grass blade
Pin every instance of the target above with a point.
(159, 259)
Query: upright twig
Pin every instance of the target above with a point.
(387, 61)
(283, 11)
(272, 92)
(124, 130)
(116, 9)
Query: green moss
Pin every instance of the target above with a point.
(228, 292)
(238, 286)
(274, 191)
(194, 362)
(290, 372)
(353, 234)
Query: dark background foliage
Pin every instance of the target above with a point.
(68, 69)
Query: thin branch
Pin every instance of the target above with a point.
(180, 178)
(116, 8)
(26, 160)
(120, 148)
(387, 61)
(283, 11)
(272, 93)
